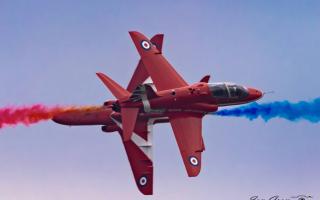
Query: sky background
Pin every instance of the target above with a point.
(50, 51)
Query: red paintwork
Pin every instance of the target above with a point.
(159, 69)
(138, 107)
(140, 75)
(189, 140)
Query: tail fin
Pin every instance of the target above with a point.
(115, 88)
(205, 79)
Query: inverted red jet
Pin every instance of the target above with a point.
(158, 94)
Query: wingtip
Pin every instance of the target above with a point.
(133, 33)
(147, 193)
(136, 35)
(100, 74)
(193, 173)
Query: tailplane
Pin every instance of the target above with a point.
(128, 115)
(118, 91)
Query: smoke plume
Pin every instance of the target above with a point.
(26, 115)
(303, 110)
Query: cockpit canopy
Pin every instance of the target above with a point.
(228, 90)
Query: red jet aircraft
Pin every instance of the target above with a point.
(158, 94)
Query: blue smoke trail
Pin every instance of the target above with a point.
(306, 110)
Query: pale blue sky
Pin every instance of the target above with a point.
(50, 51)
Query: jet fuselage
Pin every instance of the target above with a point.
(201, 98)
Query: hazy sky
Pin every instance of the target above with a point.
(50, 51)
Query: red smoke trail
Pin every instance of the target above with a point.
(11, 116)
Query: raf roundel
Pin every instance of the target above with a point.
(193, 161)
(145, 45)
(143, 181)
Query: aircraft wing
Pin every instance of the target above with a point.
(139, 152)
(188, 133)
(161, 72)
(140, 74)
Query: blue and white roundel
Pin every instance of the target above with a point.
(145, 45)
(143, 181)
(193, 161)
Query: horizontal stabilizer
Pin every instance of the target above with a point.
(118, 91)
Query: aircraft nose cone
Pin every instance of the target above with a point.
(254, 94)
